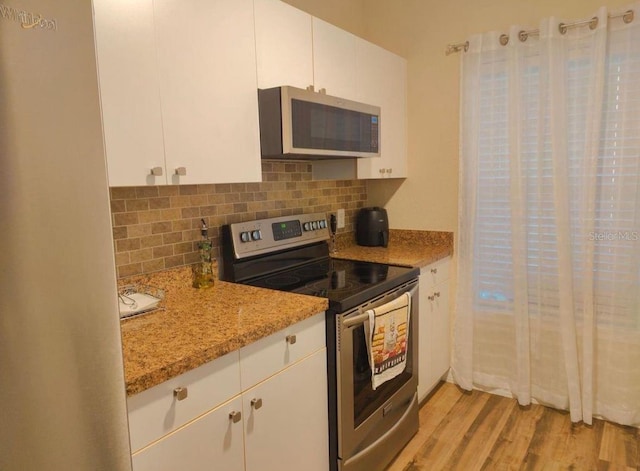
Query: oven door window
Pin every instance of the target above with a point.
(365, 400)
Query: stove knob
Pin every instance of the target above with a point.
(306, 226)
(256, 235)
(314, 225)
(323, 224)
(245, 237)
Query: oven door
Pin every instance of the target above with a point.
(373, 425)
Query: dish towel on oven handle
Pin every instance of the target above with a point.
(387, 339)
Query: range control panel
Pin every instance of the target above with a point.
(286, 229)
(270, 235)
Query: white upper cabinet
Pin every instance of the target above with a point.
(130, 91)
(382, 81)
(178, 85)
(294, 48)
(208, 89)
(178, 81)
(283, 45)
(334, 60)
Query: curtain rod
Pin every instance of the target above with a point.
(627, 17)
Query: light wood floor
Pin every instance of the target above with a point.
(479, 431)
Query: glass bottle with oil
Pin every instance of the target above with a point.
(203, 270)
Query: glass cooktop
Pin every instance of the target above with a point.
(346, 283)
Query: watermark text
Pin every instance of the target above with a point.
(630, 236)
(27, 20)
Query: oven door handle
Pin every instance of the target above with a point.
(356, 320)
(362, 318)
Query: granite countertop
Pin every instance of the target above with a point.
(194, 326)
(408, 248)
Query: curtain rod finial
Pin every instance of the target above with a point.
(451, 48)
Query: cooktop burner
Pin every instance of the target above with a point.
(346, 283)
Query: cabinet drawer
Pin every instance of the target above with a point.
(156, 411)
(271, 354)
(436, 272)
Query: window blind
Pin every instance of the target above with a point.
(615, 223)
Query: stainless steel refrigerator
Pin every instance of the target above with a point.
(62, 395)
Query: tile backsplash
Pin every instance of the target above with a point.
(158, 227)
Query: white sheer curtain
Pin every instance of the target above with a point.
(548, 303)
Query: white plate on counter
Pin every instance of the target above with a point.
(136, 303)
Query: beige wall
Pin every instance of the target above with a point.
(419, 30)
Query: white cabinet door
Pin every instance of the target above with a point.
(211, 442)
(283, 45)
(441, 344)
(425, 327)
(334, 60)
(129, 90)
(434, 341)
(288, 429)
(207, 65)
(381, 81)
(294, 48)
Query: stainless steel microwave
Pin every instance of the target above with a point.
(303, 124)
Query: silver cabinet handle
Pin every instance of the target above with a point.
(434, 270)
(182, 171)
(291, 339)
(156, 171)
(180, 393)
(256, 403)
(434, 296)
(235, 416)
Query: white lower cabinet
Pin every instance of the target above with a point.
(159, 410)
(211, 442)
(434, 331)
(286, 427)
(261, 408)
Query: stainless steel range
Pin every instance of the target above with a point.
(368, 426)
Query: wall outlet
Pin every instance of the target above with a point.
(340, 217)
